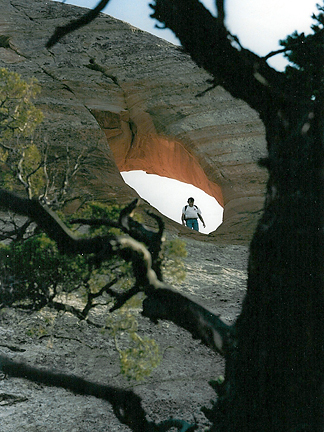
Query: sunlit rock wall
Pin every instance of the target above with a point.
(129, 100)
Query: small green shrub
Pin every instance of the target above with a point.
(33, 272)
(138, 361)
(18, 115)
(172, 264)
(18, 120)
(142, 354)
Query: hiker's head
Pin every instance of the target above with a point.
(191, 201)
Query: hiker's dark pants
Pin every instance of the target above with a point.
(192, 223)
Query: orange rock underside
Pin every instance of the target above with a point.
(137, 146)
(166, 158)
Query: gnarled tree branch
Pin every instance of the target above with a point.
(76, 24)
(151, 238)
(242, 73)
(171, 305)
(161, 303)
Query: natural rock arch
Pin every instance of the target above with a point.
(142, 92)
(139, 147)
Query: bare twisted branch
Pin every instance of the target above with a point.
(76, 24)
(161, 303)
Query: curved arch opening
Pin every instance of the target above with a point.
(138, 146)
(169, 196)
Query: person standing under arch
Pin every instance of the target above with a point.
(190, 215)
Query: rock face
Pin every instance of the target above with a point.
(128, 100)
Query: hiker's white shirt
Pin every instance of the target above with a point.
(191, 212)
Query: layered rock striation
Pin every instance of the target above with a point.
(129, 100)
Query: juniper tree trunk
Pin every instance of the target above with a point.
(274, 378)
(274, 373)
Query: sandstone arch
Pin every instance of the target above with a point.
(139, 147)
(123, 93)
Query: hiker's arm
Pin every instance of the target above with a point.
(202, 220)
(183, 219)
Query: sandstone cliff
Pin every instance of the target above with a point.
(128, 100)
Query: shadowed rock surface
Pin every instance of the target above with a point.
(216, 278)
(127, 100)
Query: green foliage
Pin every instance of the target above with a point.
(18, 115)
(3, 155)
(37, 272)
(109, 212)
(27, 162)
(41, 325)
(36, 331)
(173, 253)
(304, 53)
(32, 271)
(96, 210)
(19, 159)
(142, 355)
(138, 361)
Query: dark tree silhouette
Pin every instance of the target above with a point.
(274, 351)
(274, 375)
(60, 32)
